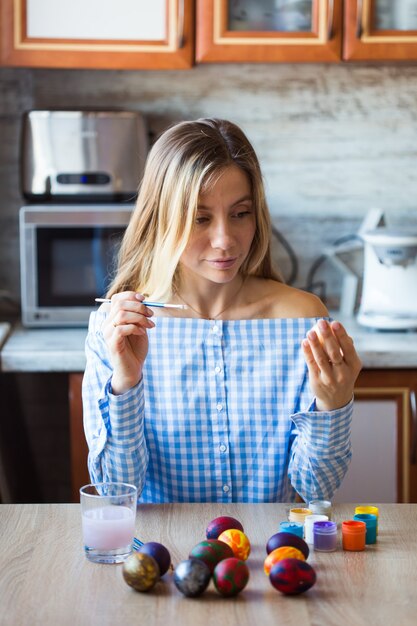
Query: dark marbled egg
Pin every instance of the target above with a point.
(192, 577)
(292, 576)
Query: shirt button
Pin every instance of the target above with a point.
(226, 488)
(222, 448)
(219, 406)
(217, 369)
(214, 329)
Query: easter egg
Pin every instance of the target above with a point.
(219, 524)
(230, 576)
(238, 541)
(211, 552)
(287, 539)
(140, 571)
(286, 552)
(159, 553)
(292, 576)
(192, 577)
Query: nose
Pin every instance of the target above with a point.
(222, 235)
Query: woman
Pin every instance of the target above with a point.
(235, 397)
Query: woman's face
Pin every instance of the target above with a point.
(223, 231)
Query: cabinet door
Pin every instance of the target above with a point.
(128, 34)
(380, 30)
(384, 439)
(261, 31)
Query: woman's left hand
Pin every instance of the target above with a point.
(333, 365)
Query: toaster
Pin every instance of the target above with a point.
(83, 155)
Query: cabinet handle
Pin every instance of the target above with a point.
(330, 19)
(181, 17)
(359, 12)
(413, 408)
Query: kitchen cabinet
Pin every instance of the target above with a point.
(385, 398)
(268, 31)
(137, 34)
(397, 390)
(306, 30)
(128, 34)
(385, 401)
(380, 30)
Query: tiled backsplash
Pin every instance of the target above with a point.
(334, 141)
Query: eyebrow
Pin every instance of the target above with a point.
(239, 201)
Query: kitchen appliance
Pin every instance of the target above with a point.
(389, 292)
(80, 169)
(93, 156)
(67, 258)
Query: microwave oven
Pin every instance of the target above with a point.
(68, 257)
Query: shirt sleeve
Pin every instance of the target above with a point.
(113, 425)
(320, 452)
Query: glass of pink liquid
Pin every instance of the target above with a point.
(108, 513)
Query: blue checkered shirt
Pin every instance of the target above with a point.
(223, 413)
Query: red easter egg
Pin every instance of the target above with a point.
(287, 539)
(230, 576)
(219, 524)
(292, 576)
(238, 541)
(211, 551)
(286, 552)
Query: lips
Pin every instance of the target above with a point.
(222, 264)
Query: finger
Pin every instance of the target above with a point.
(319, 353)
(346, 343)
(309, 358)
(127, 330)
(329, 342)
(128, 318)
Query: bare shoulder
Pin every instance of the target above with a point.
(279, 300)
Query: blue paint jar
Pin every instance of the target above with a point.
(296, 528)
(371, 522)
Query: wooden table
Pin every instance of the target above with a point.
(45, 578)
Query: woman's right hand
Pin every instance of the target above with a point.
(125, 332)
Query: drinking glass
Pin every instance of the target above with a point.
(108, 513)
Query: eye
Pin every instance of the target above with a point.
(201, 220)
(242, 214)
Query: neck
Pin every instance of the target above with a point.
(212, 307)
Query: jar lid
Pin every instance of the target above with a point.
(353, 526)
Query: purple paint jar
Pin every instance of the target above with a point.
(325, 536)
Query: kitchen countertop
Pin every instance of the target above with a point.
(62, 349)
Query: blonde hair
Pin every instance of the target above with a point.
(182, 163)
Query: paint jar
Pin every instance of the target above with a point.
(296, 528)
(321, 507)
(308, 526)
(325, 536)
(371, 525)
(373, 510)
(353, 535)
(299, 515)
